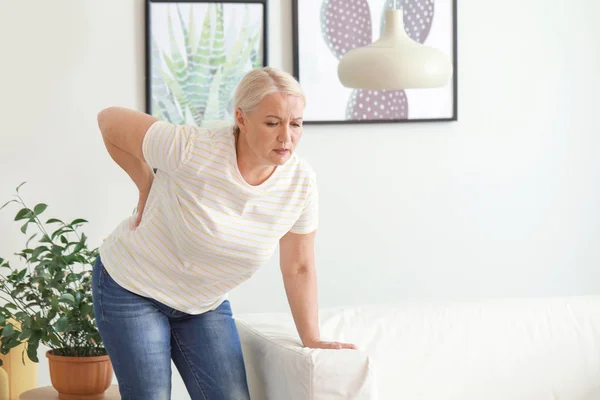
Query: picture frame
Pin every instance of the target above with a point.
(196, 54)
(315, 63)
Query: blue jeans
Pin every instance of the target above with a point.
(142, 335)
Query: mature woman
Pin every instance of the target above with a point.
(221, 200)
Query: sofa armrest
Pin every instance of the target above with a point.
(279, 367)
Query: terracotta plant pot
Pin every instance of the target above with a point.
(79, 378)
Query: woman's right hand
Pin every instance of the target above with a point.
(144, 192)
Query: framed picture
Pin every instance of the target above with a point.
(196, 54)
(319, 26)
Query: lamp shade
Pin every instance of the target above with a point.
(394, 61)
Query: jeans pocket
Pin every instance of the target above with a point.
(97, 283)
(106, 280)
(103, 276)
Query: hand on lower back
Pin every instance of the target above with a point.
(143, 197)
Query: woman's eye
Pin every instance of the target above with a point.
(272, 123)
(297, 125)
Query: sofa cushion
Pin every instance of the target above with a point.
(494, 349)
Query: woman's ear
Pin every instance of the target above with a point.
(239, 119)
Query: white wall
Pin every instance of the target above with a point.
(503, 202)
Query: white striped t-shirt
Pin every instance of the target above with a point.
(205, 230)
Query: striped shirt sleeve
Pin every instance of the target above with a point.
(166, 146)
(309, 219)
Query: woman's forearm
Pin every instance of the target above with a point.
(139, 171)
(301, 290)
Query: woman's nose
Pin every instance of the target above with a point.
(285, 134)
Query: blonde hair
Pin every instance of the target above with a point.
(260, 82)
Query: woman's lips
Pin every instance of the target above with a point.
(282, 151)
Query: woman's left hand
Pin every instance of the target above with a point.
(320, 344)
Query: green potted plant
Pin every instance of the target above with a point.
(48, 300)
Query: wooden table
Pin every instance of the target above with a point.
(48, 393)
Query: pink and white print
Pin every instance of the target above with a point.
(328, 29)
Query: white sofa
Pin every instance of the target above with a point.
(511, 349)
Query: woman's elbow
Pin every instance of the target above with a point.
(104, 118)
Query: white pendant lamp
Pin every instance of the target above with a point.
(394, 61)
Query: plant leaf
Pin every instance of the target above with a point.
(86, 309)
(46, 239)
(57, 250)
(67, 297)
(8, 331)
(32, 348)
(20, 315)
(39, 250)
(21, 275)
(29, 240)
(39, 208)
(55, 341)
(7, 203)
(61, 324)
(161, 98)
(54, 303)
(24, 213)
(25, 334)
(201, 71)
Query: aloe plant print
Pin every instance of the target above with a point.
(196, 63)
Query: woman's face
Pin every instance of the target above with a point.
(273, 129)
